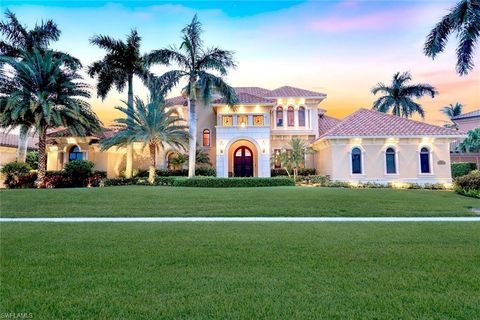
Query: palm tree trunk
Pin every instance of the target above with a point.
(192, 141)
(129, 164)
(151, 169)
(22, 144)
(42, 157)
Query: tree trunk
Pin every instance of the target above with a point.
(22, 144)
(192, 141)
(42, 157)
(151, 169)
(129, 161)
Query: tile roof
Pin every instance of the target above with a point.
(106, 133)
(287, 91)
(326, 123)
(473, 114)
(11, 140)
(254, 95)
(246, 98)
(371, 123)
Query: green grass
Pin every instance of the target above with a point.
(241, 270)
(277, 201)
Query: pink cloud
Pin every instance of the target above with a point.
(344, 21)
(348, 4)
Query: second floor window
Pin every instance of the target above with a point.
(242, 120)
(279, 114)
(206, 138)
(301, 117)
(258, 120)
(227, 121)
(291, 117)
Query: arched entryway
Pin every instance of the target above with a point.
(243, 162)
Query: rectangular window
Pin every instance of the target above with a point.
(227, 121)
(258, 120)
(242, 120)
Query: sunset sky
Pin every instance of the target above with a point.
(341, 48)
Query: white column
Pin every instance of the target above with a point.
(295, 117)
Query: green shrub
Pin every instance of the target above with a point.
(78, 171)
(32, 159)
(462, 168)
(16, 168)
(172, 173)
(165, 181)
(57, 181)
(280, 172)
(313, 179)
(469, 185)
(211, 182)
(23, 181)
(118, 182)
(206, 171)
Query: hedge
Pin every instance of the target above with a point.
(280, 172)
(210, 182)
(462, 168)
(469, 185)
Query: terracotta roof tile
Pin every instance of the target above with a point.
(177, 101)
(326, 123)
(287, 91)
(66, 133)
(370, 123)
(473, 114)
(11, 140)
(246, 98)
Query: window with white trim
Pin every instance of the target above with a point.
(390, 161)
(356, 161)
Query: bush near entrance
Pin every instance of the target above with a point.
(462, 168)
(469, 185)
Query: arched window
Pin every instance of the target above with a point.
(279, 112)
(424, 160)
(356, 161)
(75, 154)
(390, 161)
(290, 117)
(206, 138)
(301, 117)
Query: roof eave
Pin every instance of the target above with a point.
(451, 136)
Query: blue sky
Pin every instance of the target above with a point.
(342, 48)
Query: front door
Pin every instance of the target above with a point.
(243, 162)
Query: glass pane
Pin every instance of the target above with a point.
(290, 117)
(227, 121)
(424, 163)
(247, 153)
(301, 117)
(258, 120)
(391, 163)
(238, 153)
(356, 161)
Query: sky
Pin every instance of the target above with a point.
(340, 48)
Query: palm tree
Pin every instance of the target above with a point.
(293, 157)
(194, 62)
(472, 142)
(451, 111)
(398, 96)
(18, 39)
(49, 95)
(122, 62)
(464, 19)
(153, 125)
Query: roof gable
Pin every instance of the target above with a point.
(371, 123)
(472, 114)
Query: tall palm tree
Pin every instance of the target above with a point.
(464, 20)
(195, 63)
(122, 62)
(152, 124)
(293, 156)
(451, 111)
(49, 95)
(398, 96)
(18, 39)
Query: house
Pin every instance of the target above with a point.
(465, 122)
(9, 145)
(241, 142)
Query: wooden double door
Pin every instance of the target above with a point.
(243, 162)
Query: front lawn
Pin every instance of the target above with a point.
(241, 270)
(277, 201)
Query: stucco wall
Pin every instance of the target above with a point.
(468, 124)
(7, 154)
(335, 156)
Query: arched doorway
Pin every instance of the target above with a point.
(243, 162)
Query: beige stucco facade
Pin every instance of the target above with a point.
(335, 159)
(241, 141)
